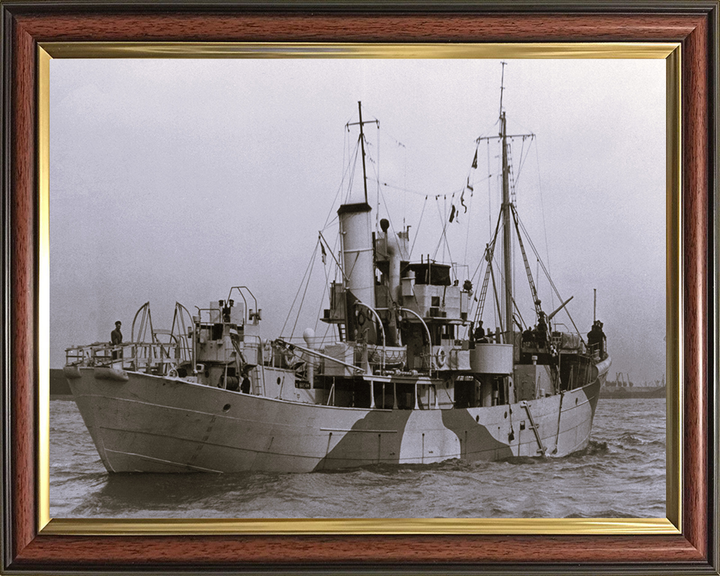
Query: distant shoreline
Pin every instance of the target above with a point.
(623, 392)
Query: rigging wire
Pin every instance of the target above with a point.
(488, 256)
(351, 180)
(537, 255)
(542, 210)
(498, 312)
(377, 189)
(398, 144)
(512, 299)
(307, 285)
(524, 158)
(375, 169)
(547, 275)
(418, 193)
(417, 230)
(348, 168)
(471, 188)
(292, 306)
(489, 177)
(324, 337)
(380, 197)
(443, 235)
(392, 226)
(467, 234)
(322, 297)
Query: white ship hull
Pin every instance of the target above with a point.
(157, 424)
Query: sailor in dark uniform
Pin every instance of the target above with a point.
(596, 338)
(601, 338)
(116, 340)
(480, 332)
(542, 329)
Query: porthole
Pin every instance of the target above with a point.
(505, 414)
(226, 407)
(278, 380)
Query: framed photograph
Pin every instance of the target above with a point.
(439, 342)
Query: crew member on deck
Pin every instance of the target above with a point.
(541, 332)
(542, 324)
(592, 336)
(245, 386)
(116, 340)
(596, 338)
(480, 332)
(601, 338)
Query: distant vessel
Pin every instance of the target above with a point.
(622, 388)
(409, 378)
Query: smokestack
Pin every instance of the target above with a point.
(357, 251)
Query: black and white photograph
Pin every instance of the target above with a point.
(357, 288)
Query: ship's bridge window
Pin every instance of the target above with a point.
(430, 273)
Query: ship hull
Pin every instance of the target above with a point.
(146, 423)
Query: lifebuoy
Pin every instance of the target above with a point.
(172, 372)
(440, 357)
(360, 318)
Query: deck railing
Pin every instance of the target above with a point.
(150, 357)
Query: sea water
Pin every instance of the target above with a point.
(620, 474)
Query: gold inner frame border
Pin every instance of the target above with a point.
(669, 51)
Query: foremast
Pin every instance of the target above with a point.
(507, 215)
(507, 239)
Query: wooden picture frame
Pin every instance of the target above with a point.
(29, 547)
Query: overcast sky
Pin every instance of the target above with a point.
(176, 179)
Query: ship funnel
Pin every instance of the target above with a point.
(357, 251)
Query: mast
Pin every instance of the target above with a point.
(357, 251)
(594, 305)
(507, 240)
(362, 145)
(506, 214)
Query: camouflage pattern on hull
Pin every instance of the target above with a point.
(149, 423)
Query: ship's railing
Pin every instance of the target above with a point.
(177, 345)
(150, 357)
(380, 357)
(597, 350)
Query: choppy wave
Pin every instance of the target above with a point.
(594, 448)
(620, 474)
